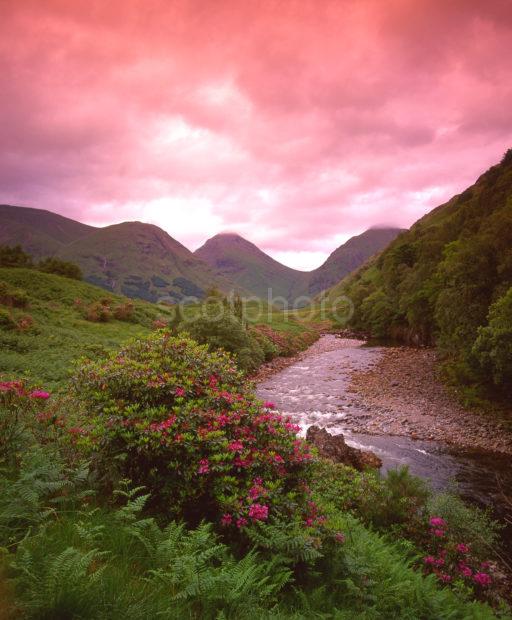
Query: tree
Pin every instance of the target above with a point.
(14, 257)
(61, 268)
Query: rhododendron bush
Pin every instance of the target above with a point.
(24, 412)
(180, 420)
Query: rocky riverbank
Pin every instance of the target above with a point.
(397, 393)
(401, 394)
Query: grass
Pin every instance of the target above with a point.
(59, 334)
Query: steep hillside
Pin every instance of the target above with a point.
(40, 233)
(349, 256)
(43, 337)
(143, 261)
(245, 264)
(138, 260)
(448, 280)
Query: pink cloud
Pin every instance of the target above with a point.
(296, 124)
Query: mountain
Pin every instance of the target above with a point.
(135, 259)
(243, 262)
(448, 281)
(41, 233)
(349, 256)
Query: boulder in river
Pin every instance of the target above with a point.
(334, 447)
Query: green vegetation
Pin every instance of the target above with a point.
(53, 326)
(134, 259)
(235, 518)
(242, 262)
(448, 281)
(48, 321)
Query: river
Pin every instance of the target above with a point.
(315, 390)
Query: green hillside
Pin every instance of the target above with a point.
(50, 330)
(349, 256)
(135, 259)
(245, 264)
(448, 281)
(41, 233)
(239, 260)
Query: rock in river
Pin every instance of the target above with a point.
(334, 447)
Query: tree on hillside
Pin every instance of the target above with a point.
(61, 268)
(14, 257)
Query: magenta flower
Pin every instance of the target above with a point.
(339, 537)
(438, 533)
(437, 522)
(179, 392)
(462, 548)
(269, 405)
(204, 466)
(429, 559)
(258, 512)
(40, 394)
(465, 570)
(241, 522)
(482, 579)
(445, 578)
(236, 446)
(226, 520)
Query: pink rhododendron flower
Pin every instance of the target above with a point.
(241, 522)
(482, 579)
(269, 405)
(465, 570)
(437, 522)
(204, 466)
(40, 394)
(438, 533)
(429, 559)
(439, 562)
(179, 392)
(445, 578)
(339, 537)
(236, 446)
(462, 548)
(226, 520)
(258, 512)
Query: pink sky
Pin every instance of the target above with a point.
(296, 123)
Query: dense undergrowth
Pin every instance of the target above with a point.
(227, 513)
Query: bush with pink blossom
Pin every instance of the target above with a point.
(170, 415)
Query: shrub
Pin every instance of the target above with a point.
(60, 268)
(98, 312)
(169, 415)
(124, 312)
(6, 319)
(11, 296)
(14, 257)
(22, 410)
(466, 523)
(227, 332)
